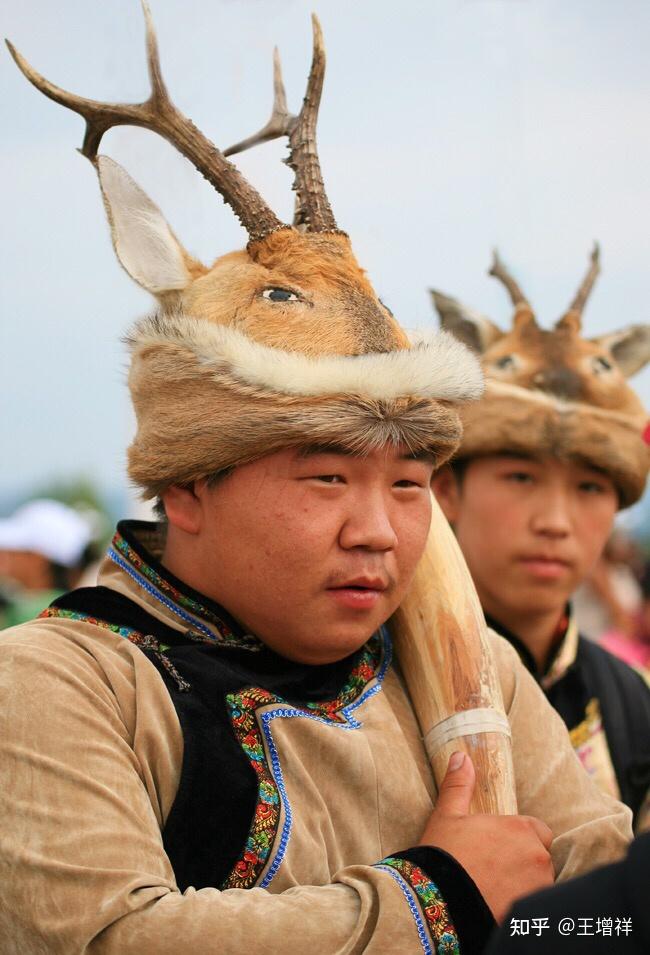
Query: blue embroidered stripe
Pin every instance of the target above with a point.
(143, 582)
(423, 934)
(276, 769)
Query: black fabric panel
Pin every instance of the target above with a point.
(469, 911)
(209, 822)
(115, 608)
(637, 884)
(625, 707)
(210, 818)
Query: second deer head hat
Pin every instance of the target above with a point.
(554, 393)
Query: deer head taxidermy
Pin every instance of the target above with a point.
(282, 343)
(555, 392)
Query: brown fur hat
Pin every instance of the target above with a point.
(529, 421)
(555, 393)
(281, 344)
(208, 398)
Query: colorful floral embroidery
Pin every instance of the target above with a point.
(143, 640)
(176, 596)
(265, 822)
(243, 707)
(359, 677)
(433, 905)
(126, 632)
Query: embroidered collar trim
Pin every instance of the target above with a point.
(200, 613)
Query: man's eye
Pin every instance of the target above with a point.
(329, 478)
(407, 483)
(519, 477)
(592, 487)
(275, 294)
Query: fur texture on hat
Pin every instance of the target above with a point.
(208, 398)
(553, 392)
(525, 421)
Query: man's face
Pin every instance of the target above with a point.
(312, 550)
(530, 530)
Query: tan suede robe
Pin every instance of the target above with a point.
(90, 760)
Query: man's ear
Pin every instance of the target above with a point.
(444, 485)
(183, 508)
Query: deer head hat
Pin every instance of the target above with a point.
(282, 344)
(554, 392)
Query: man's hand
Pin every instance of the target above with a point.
(506, 856)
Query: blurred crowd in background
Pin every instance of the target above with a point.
(52, 544)
(612, 606)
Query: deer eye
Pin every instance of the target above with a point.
(505, 362)
(275, 294)
(601, 364)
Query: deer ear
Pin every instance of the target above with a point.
(143, 242)
(468, 326)
(629, 347)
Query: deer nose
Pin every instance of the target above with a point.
(562, 382)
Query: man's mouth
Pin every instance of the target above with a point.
(546, 566)
(359, 593)
(362, 583)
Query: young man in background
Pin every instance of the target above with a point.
(554, 448)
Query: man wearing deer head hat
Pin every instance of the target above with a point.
(555, 446)
(212, 750)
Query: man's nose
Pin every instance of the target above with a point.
(369, 525)
(553, 514)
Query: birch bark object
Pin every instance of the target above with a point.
(441, 641)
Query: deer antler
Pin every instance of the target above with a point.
(159, 114)
(499, 271)
(583, 293)
(281, 121)
(312, 206)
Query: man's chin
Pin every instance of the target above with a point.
(325, 648)
(541, 599)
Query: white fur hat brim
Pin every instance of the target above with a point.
(208, 398)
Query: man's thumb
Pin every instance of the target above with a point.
(457, 787)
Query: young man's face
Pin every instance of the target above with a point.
(310, 550)
(530, 529)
